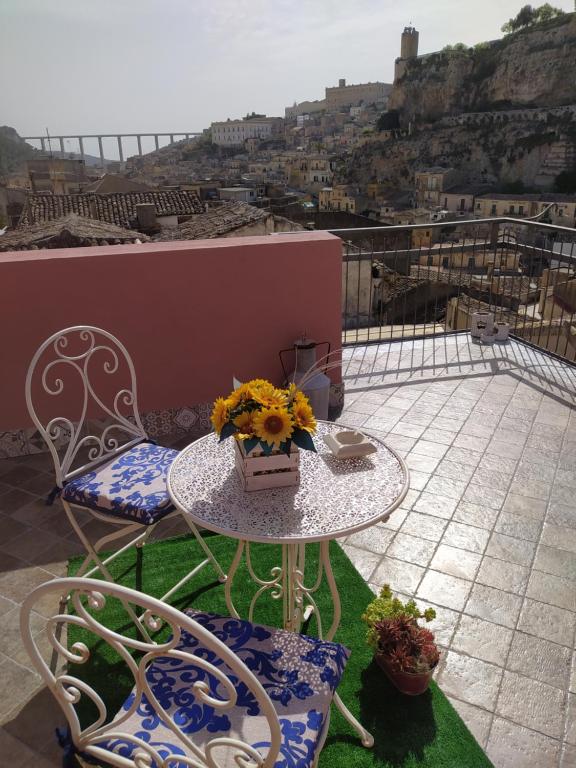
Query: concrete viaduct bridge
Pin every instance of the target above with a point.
(44, 140)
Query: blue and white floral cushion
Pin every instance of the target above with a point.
(299, 674)
(131, 485)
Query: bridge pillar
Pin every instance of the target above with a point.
(171, 138)
(100, 147)
(156, 141)
(81, 142)
(120, 148)
(139, 140)
(61, 144)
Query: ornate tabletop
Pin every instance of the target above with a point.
(335, 496)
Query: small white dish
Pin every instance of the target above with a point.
(347, 444)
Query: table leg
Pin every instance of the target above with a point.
(230, 579)
(327, 565)
(287, 582)
(366, 738)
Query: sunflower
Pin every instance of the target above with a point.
(239, 396)
(272, 425)
(258, 383)
(245, 425)
(219, 415)
(300, 398)
(268, 395)
(303, 416)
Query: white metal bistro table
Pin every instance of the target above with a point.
(335, 498)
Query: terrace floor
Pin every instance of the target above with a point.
(486, 534)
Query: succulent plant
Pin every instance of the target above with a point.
(408, 647)
(386, 606)
(394, 632)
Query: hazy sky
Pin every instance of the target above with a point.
(94, 66)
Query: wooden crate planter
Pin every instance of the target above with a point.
(258, 471)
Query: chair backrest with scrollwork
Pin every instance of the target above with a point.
(86, 373)
(217, 680)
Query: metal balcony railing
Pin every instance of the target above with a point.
(428, 279)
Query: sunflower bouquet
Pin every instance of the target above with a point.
(259, 414)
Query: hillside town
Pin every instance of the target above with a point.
(405, 154)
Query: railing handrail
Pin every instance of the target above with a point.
(456, 223)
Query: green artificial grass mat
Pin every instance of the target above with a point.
(409, 732)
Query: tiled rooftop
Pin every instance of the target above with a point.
(68, 231)
(216, 221)
(115, 208)
(486, 534)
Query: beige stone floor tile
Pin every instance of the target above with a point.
(493, 605)
(482, 640)
(470, 680)
(532, 704)
(512, 746)
(547, 621)
(540, 659)
(443, 589)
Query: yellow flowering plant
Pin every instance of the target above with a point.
(258, 413)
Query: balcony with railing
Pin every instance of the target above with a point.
(487, 531)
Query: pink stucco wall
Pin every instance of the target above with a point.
(191, 314)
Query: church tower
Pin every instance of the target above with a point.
(408, 50)
(409, 43)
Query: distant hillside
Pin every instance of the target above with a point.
(535, 67)
(14, 152)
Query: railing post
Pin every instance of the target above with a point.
(494, 232)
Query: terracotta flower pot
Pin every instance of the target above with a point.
(410, 683)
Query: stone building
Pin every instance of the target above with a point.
(338, 198)
(432, 182)
(353, 95)
(233, 133)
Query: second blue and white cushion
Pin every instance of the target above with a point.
(132, 485)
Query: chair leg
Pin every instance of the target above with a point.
(100, 565)
(210, 557)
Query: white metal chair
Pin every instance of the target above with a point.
(118, 476)
(211, 692)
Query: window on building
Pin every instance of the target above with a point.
(471, 262)
(430, 261)
(521, 209)
(511, 209)
(445, 202)
(560, 211)
(445, 262)
(493, 210)
(463, 204)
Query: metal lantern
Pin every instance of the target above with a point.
(310, 375)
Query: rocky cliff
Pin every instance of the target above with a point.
(492, 151)
(534, 67)
(14, 152)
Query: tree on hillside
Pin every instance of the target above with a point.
(528, 16)
(388, 121)
(566, 181)
(455, 47)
